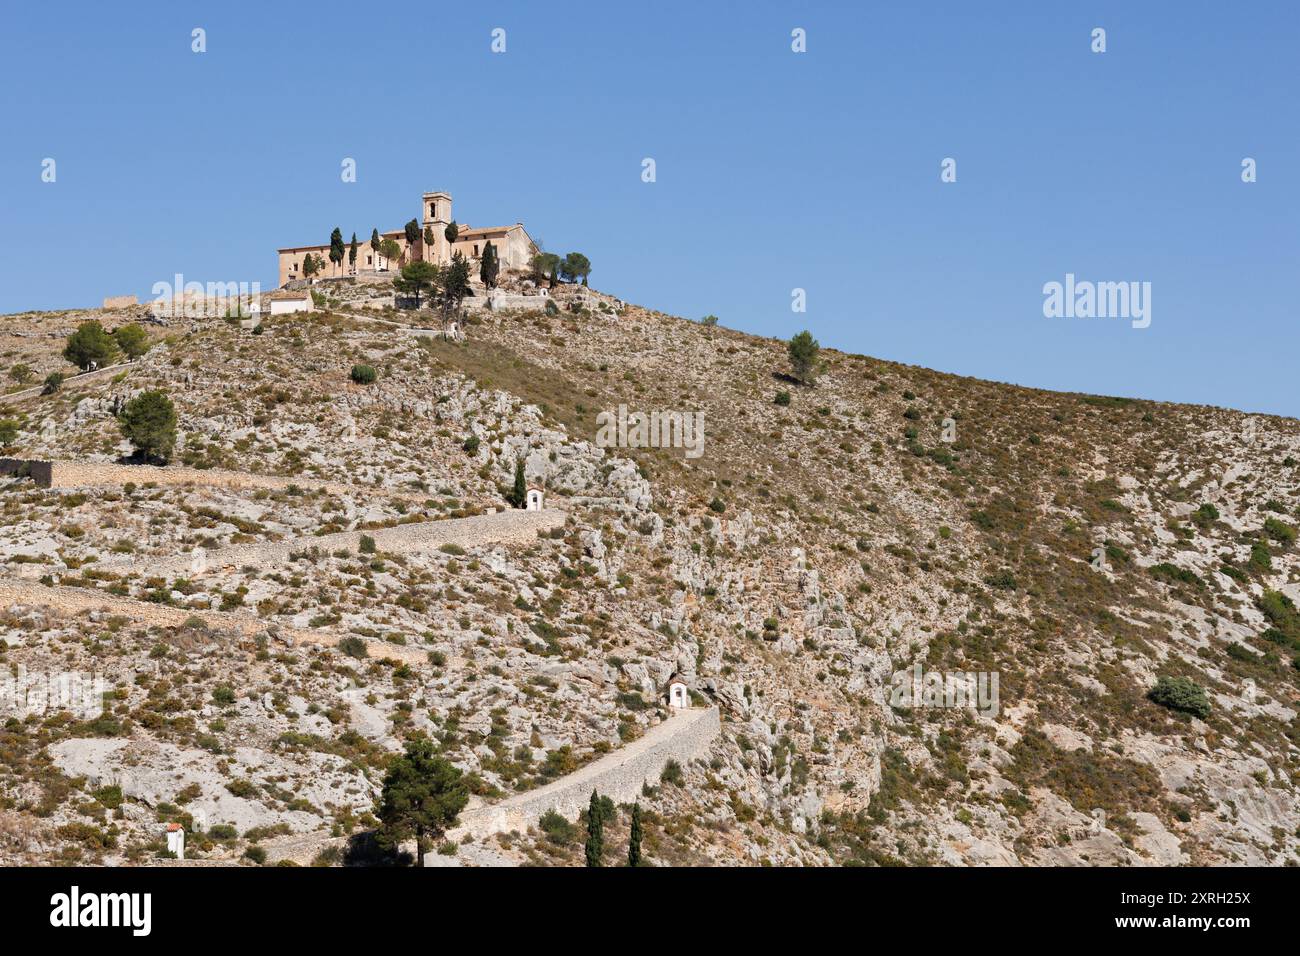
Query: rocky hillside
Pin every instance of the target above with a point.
(830, 537)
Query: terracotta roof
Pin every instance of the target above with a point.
(483, 231)
(676, 679)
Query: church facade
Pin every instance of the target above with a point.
(514, 248)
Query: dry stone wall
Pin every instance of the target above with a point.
(66, 601)
(506, 527)
(91, 474)
(685, 736)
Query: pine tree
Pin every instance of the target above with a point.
(634, 839)
(595, 831)
(148, 422)
(421, 797)
(803, 356)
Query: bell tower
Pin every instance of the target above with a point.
(437, 216)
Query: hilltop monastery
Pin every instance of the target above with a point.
(514, 248)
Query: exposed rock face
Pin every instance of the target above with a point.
(279, 617)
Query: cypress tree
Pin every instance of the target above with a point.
(490, 266)
(634, 840)
(352, 253)
(336, 247)
(518, 496)
(595, 831)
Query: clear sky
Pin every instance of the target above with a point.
(775, 170)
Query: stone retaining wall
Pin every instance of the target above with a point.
(82, 474)
(505, 527)
(92, 474)
(685, 736)
(81, 378)
(35, 469)
(72, 601)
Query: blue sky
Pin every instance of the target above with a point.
(775, 170)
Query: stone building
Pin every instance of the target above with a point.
(514, 248)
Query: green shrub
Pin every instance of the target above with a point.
(53, 382)
(782, 398)
(1003, 580)
(1173, 574)
(364, 374)
(1279, 531)
(242, 788)
(557, 829)
(366, 545)
(353, 647)
(1181, 694)
(109, 797)
(1261, 559)
(470, 444)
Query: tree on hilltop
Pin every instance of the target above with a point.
(574, 267)
(352, 254)
(132, 340)
(455, 284)
(90, 345)
(490, 266)
(544, 264)
(336, 248)
(374, 246)
(412, 230)
(451, 232)
(391, 250)
(417, 278)
(803, 356)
